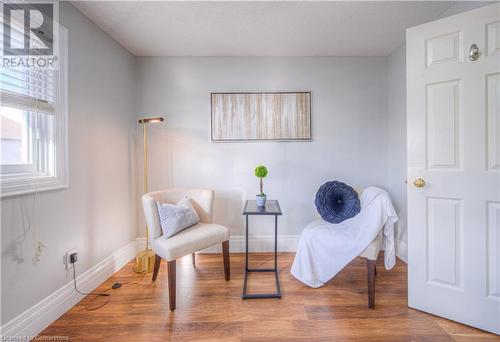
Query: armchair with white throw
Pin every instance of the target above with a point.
(188, 241)
(326, 248)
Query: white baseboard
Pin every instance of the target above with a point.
(402, 250)
(265, 243)
(256, 243)
(34, 320)
(141, 243)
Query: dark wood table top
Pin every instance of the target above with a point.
(272, 208)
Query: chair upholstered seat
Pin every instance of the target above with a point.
(190, 240)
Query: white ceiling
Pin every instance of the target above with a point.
(300, 28)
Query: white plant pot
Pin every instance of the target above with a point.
(261, 201)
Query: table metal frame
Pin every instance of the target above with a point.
(277, 294)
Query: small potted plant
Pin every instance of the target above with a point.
(261, 172)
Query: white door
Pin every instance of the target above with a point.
(454, 146)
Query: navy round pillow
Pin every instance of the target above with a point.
(337, 201)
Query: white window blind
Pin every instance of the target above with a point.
(31, 87)
(28, 89)
(33, 119)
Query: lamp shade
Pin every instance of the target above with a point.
(150, 120)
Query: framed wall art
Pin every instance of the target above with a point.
(251, 116)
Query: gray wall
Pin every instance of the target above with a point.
(464, 6)
(396, 135)
(96, 215)
(349, 128)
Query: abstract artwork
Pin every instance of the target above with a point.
(261, 116)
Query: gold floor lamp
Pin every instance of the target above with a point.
(145, 259)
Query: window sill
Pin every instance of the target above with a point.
(16, 185)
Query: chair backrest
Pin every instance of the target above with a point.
(202, 199)
(358, 190)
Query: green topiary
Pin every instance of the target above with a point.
(261, 172)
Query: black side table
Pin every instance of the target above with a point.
(272, 208)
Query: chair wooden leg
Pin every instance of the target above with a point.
(370, 266)
(156, 266)
(193, 258)
(171, 284)
(225, 253)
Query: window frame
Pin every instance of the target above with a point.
(37, 176)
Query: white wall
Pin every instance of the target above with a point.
(396, 135)
(463, 6)
(349, 129)
(96, 215)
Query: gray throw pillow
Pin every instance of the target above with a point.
(176, 217)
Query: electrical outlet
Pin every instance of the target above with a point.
(68, 258)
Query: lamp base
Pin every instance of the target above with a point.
(144, 261)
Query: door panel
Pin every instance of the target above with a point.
(493, 37)
(494, 250)
(444, 48)
(445, 252)
(453, 108)
(493, 113)
(443, 122)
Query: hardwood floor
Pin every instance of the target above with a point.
(209, 308)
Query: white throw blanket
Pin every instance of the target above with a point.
(325, 248)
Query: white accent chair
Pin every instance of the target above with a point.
(203, 235)
(370, 254)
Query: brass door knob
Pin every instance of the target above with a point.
(419, 183)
